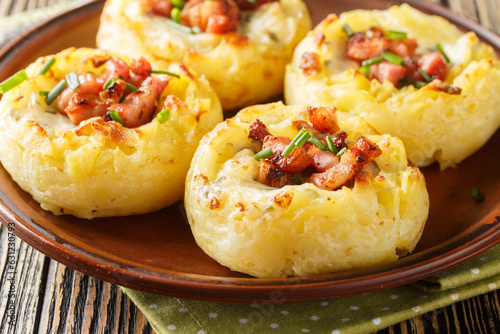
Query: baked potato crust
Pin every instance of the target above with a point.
(434, 126)
(299, 230)
(244, 68)
(99, 169)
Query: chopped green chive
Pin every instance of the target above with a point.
(175, 14)
(426, 76)
(178, 3)
(418, 84)
(45, 68)
(165, 72)
(127, 85)
(296, 180)
(72, 80)
(342, 151)
(371, 61)
(476, 194)
(108, 83)
(130, 87)
(183, 28)
(365, 70)
(318, 143)
(293, 143)
(43, 93)
(115, 116)
(54, 93)
(163, 115)
(391, 34)
(331, 145)
(265, 153)
(348, 30)
(12, 81)
(303, 139)
(439, 47)
(253, 1)
(392, 58)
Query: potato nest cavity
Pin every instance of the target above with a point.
(100, 168)
(244, 67)
(300, 230)
(433, 124)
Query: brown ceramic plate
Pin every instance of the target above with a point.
(156, 252)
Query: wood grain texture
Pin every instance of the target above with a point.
(49, 297)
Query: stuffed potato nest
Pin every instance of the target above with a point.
(99, 168)
(299, 230)
(244, 68)
(434, 126)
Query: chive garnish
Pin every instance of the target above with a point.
(43, 93)
(177, 3)
(165, 72)
(439, 47)
(265, 153)
(107, 83)
(45, 68)
(365, 70)
(348, 30)
(371, 61)
(296, 180)
(331, 145)
(183, 28)
(72, 80)
(392, 58)
(476, 194)
(426, 76)
(175, 14)
(253, 1)
(163, 115)
(54, 93)
(303, 139)
(391, 34)
(12, 81)
(115, 116)
(293, 143)
(342, 151)
(318, 143)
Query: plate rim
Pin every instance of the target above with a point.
(311, 288)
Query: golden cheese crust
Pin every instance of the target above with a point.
(98, 168)
(434, 125)
(244, 67)
(300, 230)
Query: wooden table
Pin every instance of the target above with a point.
(53, 298)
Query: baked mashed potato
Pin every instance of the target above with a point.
(98, 167)
(443, 118)
(292, 227)
(245, 65)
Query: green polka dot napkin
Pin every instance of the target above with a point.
(358, 314)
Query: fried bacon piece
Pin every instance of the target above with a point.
(258, 130)
(350, 164)
(323, 119)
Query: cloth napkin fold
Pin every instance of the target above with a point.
(364, 313)
(358, 314)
